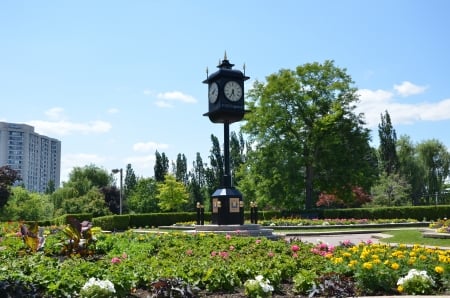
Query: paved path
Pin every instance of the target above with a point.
(338, 238)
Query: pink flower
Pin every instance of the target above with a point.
(223, 255)
(213, 253)
(189, 252)
(124, 255)
(295, 248)
(231, 247)
(228, 236)
(115, 260)
(258, 241)
(294, 255)
(369, 242)
(270, 254)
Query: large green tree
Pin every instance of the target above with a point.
(435, 160)
(307, 137)
(130, 180)
(410, 168)
(388, 143)
(216, 161)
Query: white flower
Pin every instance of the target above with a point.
(415, 273)
(104, 284)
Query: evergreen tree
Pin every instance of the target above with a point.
(161, 167)
(130, 181)
(217, 163)
(388, 142)
(181, 173)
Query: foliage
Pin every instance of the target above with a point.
(306, 137)
(171, 194)
(218, 263)
(416, 282)
(80, 241)
(130, 181)
(7, 178)
(83, 179)
(390, 190)
(143, 199)
(25, 205)
(387, 150)
(161, 167)
(305, 282)
(33, 239)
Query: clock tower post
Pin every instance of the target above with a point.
(226, 105)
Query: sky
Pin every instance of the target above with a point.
(115, 81)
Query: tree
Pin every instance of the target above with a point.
(161, 167)
(237, 155)
(143, 199)
(197, 184)
(391, 190)
(130, 181)
(83, 179)
(216, 161)
(172, 195)
(435, 159)
(181, 173)
(306, 137)
(410, 168)
(25, 205)
(8, 177)
(388, 143)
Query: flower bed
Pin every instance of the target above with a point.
(208, 263)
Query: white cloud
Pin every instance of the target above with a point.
(407, 88)
(113, 111)
(373, 103)
(176, 96)
(163, 104)
(148, 147)
(56, 113)
(66, 127)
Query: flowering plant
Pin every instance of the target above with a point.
(97, 288)
(258, 287)
(416, 282)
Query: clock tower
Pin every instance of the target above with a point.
(226, 93)
(226, 105)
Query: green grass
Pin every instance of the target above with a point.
(413, 237)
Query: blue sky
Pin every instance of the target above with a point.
(117, 80)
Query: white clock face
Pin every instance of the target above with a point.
(233, 91)
(213, 92)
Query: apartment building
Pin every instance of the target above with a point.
(35, 157)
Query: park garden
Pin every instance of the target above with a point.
(80, 260)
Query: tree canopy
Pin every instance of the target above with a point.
(307, 138)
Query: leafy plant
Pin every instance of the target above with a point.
(80, 238)
(172, 287)
(335, 285)
(305, 282)
(32, 236)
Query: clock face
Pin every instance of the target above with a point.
(213, 92)
(233, 91)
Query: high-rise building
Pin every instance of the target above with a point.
(35, 157)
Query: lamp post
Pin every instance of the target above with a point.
(115, 171)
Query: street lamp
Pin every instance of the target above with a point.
(115, 171)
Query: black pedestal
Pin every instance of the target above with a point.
(227, 207)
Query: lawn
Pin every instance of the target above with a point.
(409, 236)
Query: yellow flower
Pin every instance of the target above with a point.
(400, 288)
(395, 266)
(367, 265)
(439, 269)
(346, 254)
(338, 260)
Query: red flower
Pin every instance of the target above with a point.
(295, 248)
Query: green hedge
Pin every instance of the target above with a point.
(414, 212)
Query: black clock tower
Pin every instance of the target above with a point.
(226, 105)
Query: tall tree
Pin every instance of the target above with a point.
(306, 136)
(237, 157)
(410, 168)
(7, 178)
(85, 178)
(130, 180)
(197, 181)
(435, 159)
(172, 195)
(161, 167)
(216, 161)
(388, 142)
(181, 173)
